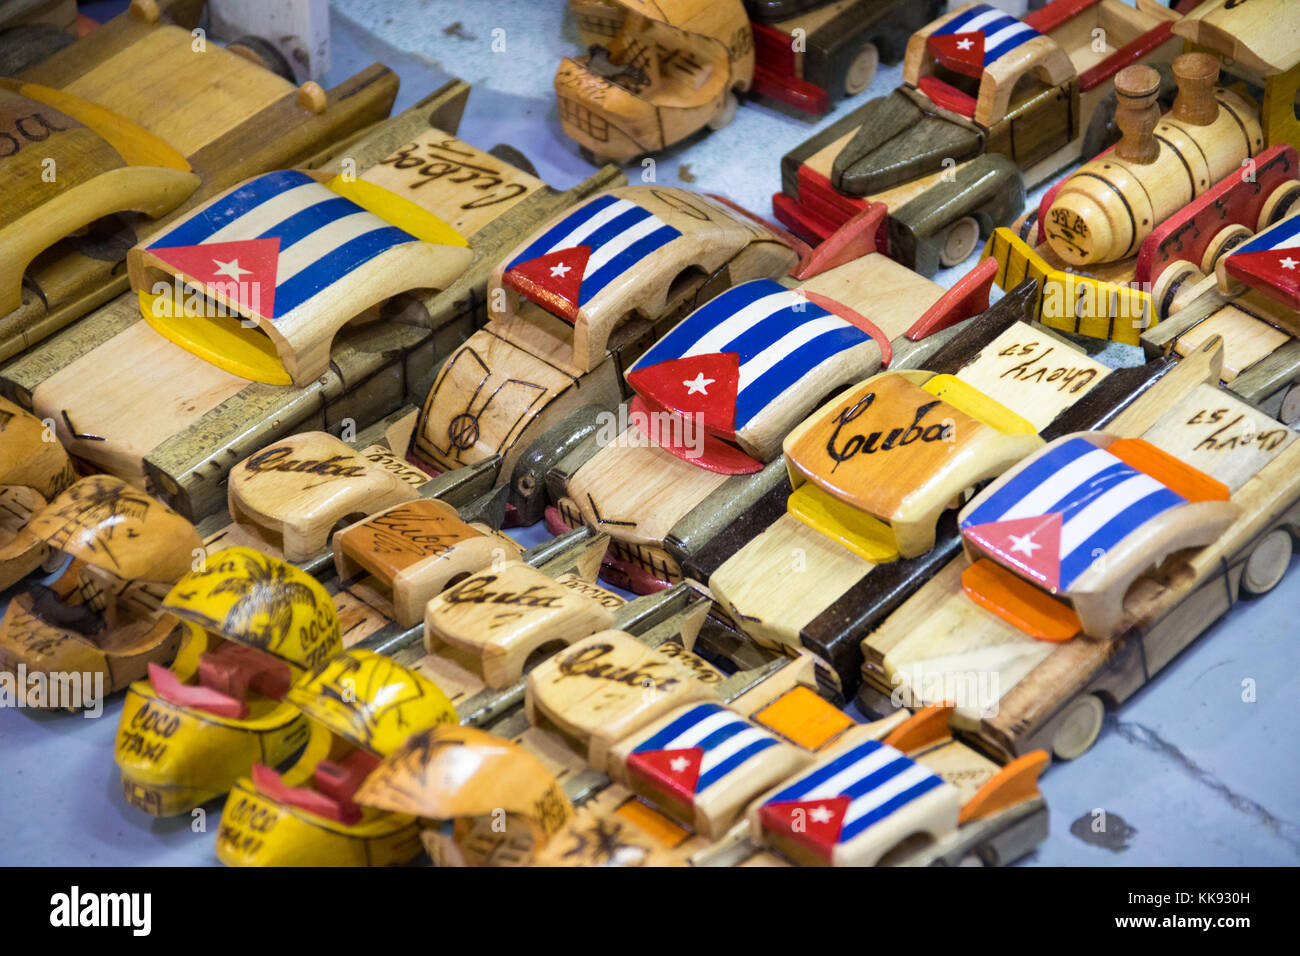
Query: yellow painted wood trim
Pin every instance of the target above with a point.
(402, 213)
(222, 340)
(861, 533)
(968, 399)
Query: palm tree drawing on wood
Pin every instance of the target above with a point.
(263, 613)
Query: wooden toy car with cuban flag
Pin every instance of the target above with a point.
(327, 296)
(1075, 591)
(253, 625)
(141, 116)
(865, 515)
(360, 706)
(572, 306)
(985, 97)
(35, 469)
(98, 615)
(718, 393)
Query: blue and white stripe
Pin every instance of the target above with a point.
(878, 779)
(1284, 235)
(727, 739)
(1101, 500)
(778, 335)
(1002, 32)
(618, 232)
(323, 236)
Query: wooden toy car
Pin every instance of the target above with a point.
(1121, 240)
(572, 306)
(810, 54)
(666, 69)
(359, 707)
(1191, 502)
(35, 469)
(99, 616)
(984, 97)
(138, 116)
(273, 347)
(861, 521)
(718, 393)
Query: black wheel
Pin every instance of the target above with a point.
(508, 154)
(23, 47)
(265, 53)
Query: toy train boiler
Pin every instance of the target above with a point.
(1105, 209)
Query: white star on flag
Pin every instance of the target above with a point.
(231, 269)
(679, 764)
(560, 271)
(1288, 263)
(1025, 544)
(964, 44)
(820, 815)
(698, 384)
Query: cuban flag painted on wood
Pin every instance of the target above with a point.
(831, 804)
(703, 746)
(1270, 262)
(571, 262)
(731, 358)
(977, 37)
(1065, 509)
(275, 243)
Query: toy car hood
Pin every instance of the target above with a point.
(876, 466)
(1264, 42)
(64, 163)
(268, 604)
(1269, 263)
(371, 700)
(282, 262)
(617, 254)
(1088, 513)
(116, 528)
(449, 772)
(750, 365)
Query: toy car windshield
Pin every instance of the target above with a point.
(875, 467)
(260, 279)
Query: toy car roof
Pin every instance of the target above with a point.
(982, 41)
(1088, 513)
(102, 164)
(1264, 35)
(297, 257)
(690, 16)
(875, 467)
(619, 253)
(749, 364)
(1269, 263)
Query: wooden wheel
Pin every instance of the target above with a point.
(727, 113)
(1268, 562)
(862, 70)
(959, 242)
(1079, 728)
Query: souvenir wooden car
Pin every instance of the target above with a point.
(253, 624)
(811, 54)
(718, 393)
(665, 69)
(33, 469)
(574, 305)
(984, 97)
(1075, 591)
(1121, 240)
(360, 706)
(139, 116)
(865, 515)
(99, 616)
(337, 316)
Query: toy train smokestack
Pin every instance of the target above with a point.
(1108, 206)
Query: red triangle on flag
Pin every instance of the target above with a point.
(698, 386)
(815, 824)
(242, 272)
(1033, 545)
(553, 281)
(676, 771)
(960, 52)
(1273, 272)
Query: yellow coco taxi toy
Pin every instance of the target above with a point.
(97, 619)
(254, 624)
(361, 707)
